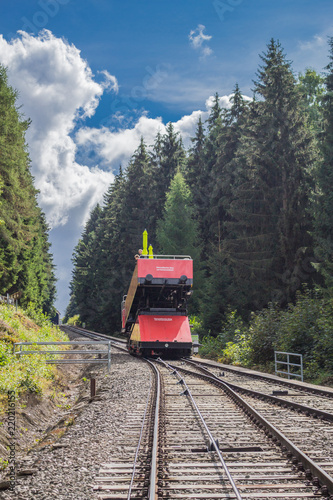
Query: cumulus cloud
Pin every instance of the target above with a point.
(187, 125)
(199, 41)
(114, 148)
(56, 87)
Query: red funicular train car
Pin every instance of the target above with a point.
(154, 312)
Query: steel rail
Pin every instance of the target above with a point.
(90, 333)
(213, 442)
(312, 389)
(140, 439)
(96, 336)
(271, 431)
(152, 492)
(273, 399)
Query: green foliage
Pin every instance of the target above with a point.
(262, 338)
(30, 372)
(237, 353)
(177, 232)
(232, 327)
(323, 227)
(305, 327)
(312, 88)
(196, 325)
(74, 320)
(25, 262)
(231, 344)
(211, 348)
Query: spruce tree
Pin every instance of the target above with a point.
(214, 130)
(324, 205)
(224, 171)
(177, 232)
(219, 290)
(269, 212)
(173, 154)
(312, 88)
(25, 262)
(86, 273)
(196, 178)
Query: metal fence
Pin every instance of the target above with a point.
(98, 360)
(8, 299)
(290, 371)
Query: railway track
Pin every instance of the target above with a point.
(195, 437)
(131, 472)
(265, 381)
(262, 462)
(92, 335)
(315, 404)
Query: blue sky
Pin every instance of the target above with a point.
(106, 72)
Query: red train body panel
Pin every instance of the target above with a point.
(170, 269)
(154, 314)
(164, 328)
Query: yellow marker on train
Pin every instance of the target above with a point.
(145, 242)
(150, 250)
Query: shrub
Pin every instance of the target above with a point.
(29, 372)
(74, 320)
(211, 347)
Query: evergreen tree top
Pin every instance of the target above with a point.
(237, 108)
(275, 76)
(199, 139)
(215, 113)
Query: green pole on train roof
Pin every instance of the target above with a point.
(145, 242)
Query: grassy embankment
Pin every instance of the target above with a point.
(29, 373)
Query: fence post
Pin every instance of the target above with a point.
(109, 356)
(92, 387)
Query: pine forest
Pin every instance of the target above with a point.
(26, 264)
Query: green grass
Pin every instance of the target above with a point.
(29, 373)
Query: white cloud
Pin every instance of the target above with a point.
(56, 87)
(187, 125)
(316, 42)
(311, 53)
(114, 148)
(111, 82)
(199, 41)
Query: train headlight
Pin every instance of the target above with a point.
(166, 345)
